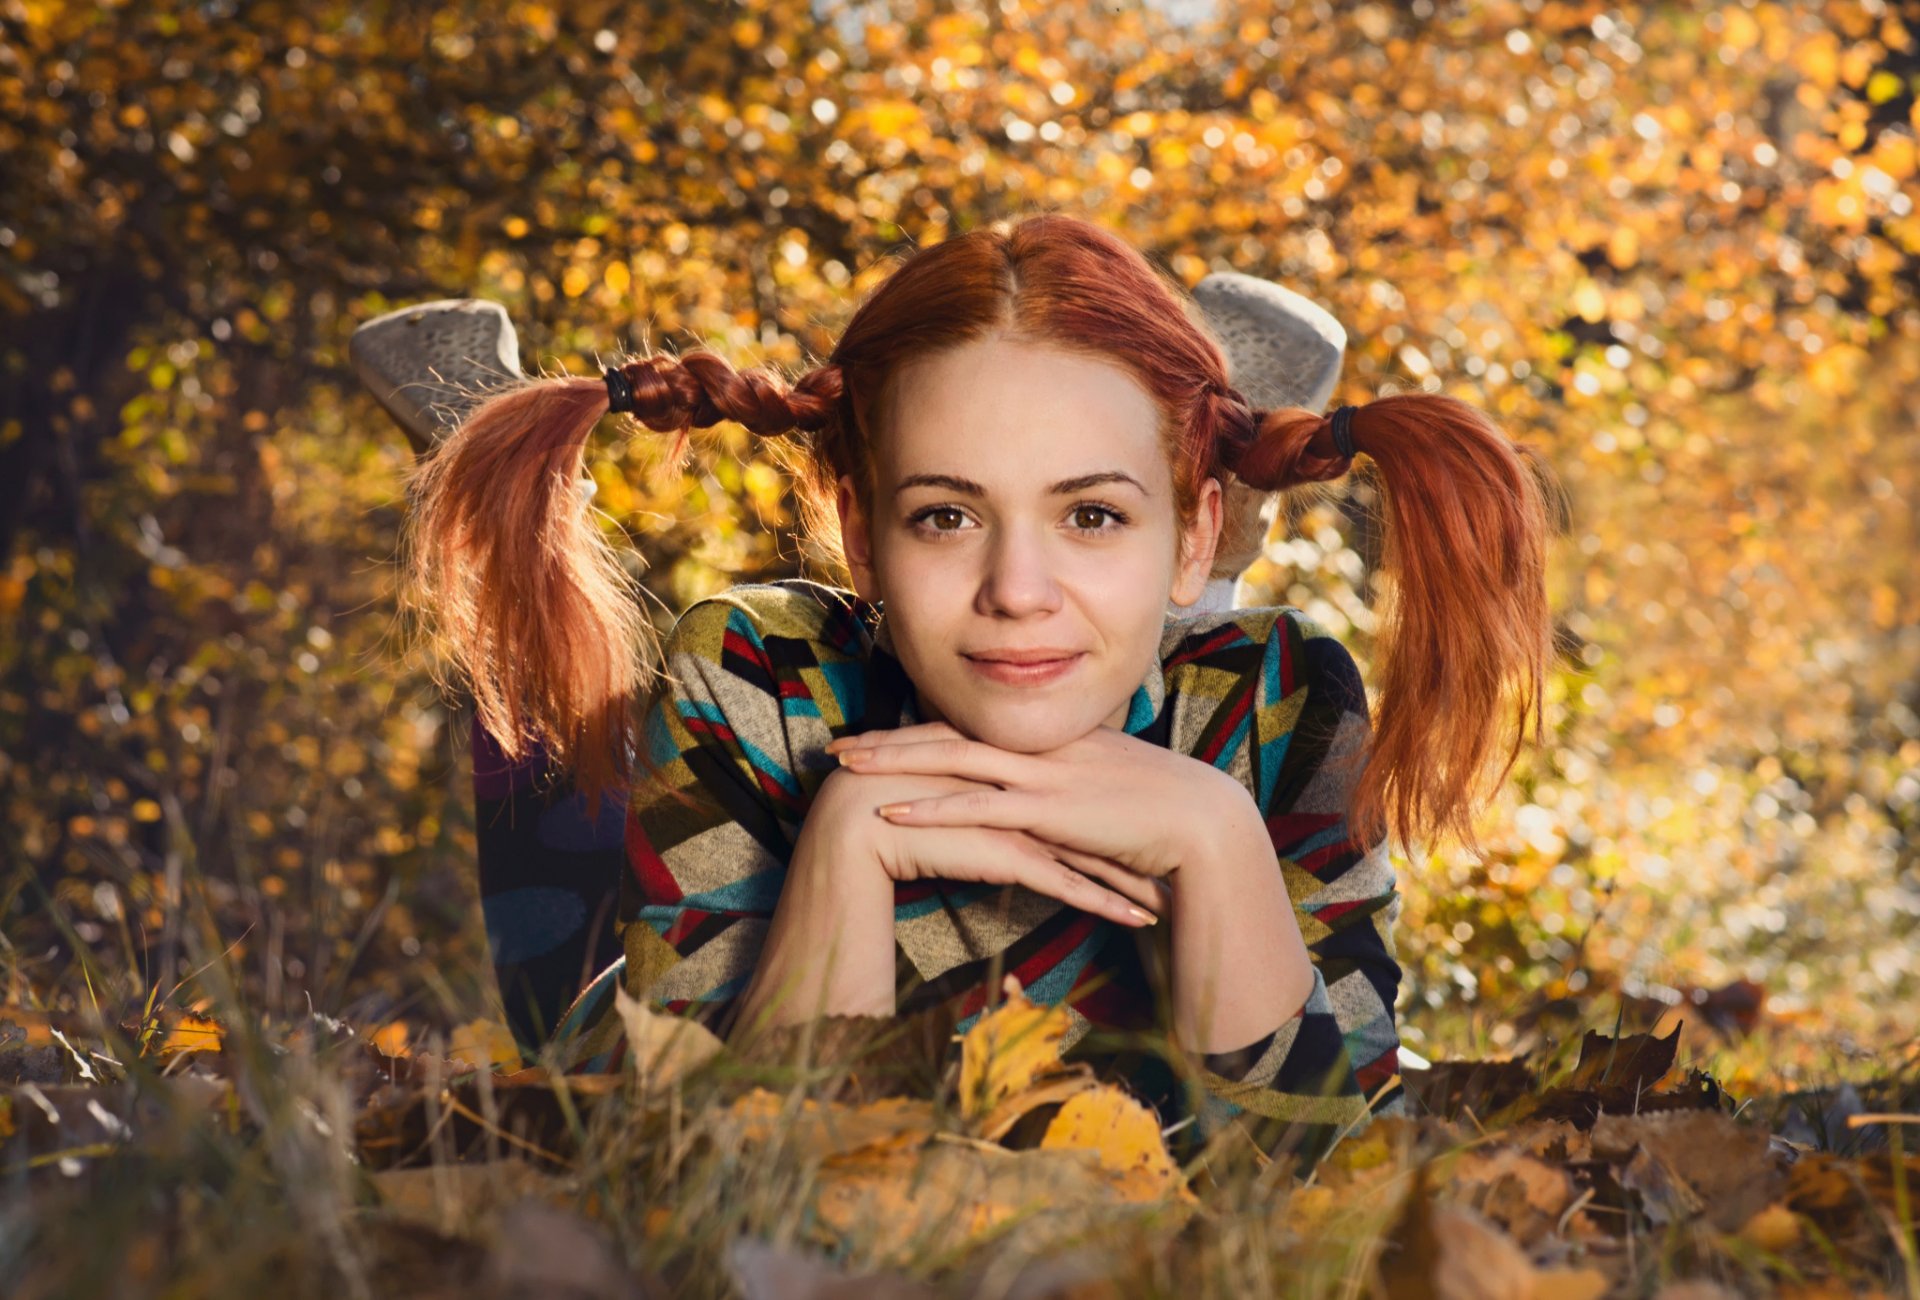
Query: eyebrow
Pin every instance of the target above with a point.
(954, 483)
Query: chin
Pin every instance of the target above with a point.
(1026, 731)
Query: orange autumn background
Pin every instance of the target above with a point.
(1672, 244)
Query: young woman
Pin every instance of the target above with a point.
(1000, 750)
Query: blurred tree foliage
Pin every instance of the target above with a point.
(1675, 244)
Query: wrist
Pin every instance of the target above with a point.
(829, 942)
(840, 830)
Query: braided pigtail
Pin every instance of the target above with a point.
(514, 579)
(1465, 633)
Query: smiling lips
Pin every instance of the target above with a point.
(1033, 667)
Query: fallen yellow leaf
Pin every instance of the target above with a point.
(190, 1034)
(392, 1038)
(1007, 1049)
(1124, 1136)
(485, 1042)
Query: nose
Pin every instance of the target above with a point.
(1019, 578)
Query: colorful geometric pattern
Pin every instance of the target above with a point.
(763, 676)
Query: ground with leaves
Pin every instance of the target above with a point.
(869, 1157)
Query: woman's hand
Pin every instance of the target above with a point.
(1110, 801)
(1107, 799)
(846, 811)
(829, 946)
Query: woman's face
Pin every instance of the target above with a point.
(1024, 540)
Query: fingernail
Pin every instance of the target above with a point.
(1143, 915)
(894, 809)
(854, 756)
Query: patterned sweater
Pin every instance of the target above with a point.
(763, 676)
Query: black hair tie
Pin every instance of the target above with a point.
(1342, 421)
(619, 390)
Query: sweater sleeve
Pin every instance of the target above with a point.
(760, 680)
(1334, 1063)
(549, 877)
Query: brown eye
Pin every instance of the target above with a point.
(1091, 518)
(940, 519)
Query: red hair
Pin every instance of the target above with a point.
(531, 603)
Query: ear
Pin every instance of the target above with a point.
(1197, 545)
(856, 538)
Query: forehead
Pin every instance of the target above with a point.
(1017, 413)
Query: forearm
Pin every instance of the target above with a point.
(1240, 965)
(829, 947)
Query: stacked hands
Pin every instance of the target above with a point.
(1105, 823)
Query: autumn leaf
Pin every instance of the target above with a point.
(190, 1033)
(1124, 1137)
(1637, 1061)
(663, 1048)
(1008, 1049)
(486, 1044)
(394, 1038)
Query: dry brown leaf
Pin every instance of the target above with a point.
(1552, 1140)
(1008, 1049)
(664, 1049)
(1707, 1162)
(1522, 1194)
(1637, 1061)
(1665, 1195)
(1476, 1260)
(1124, 1136)
(1450, 1088)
